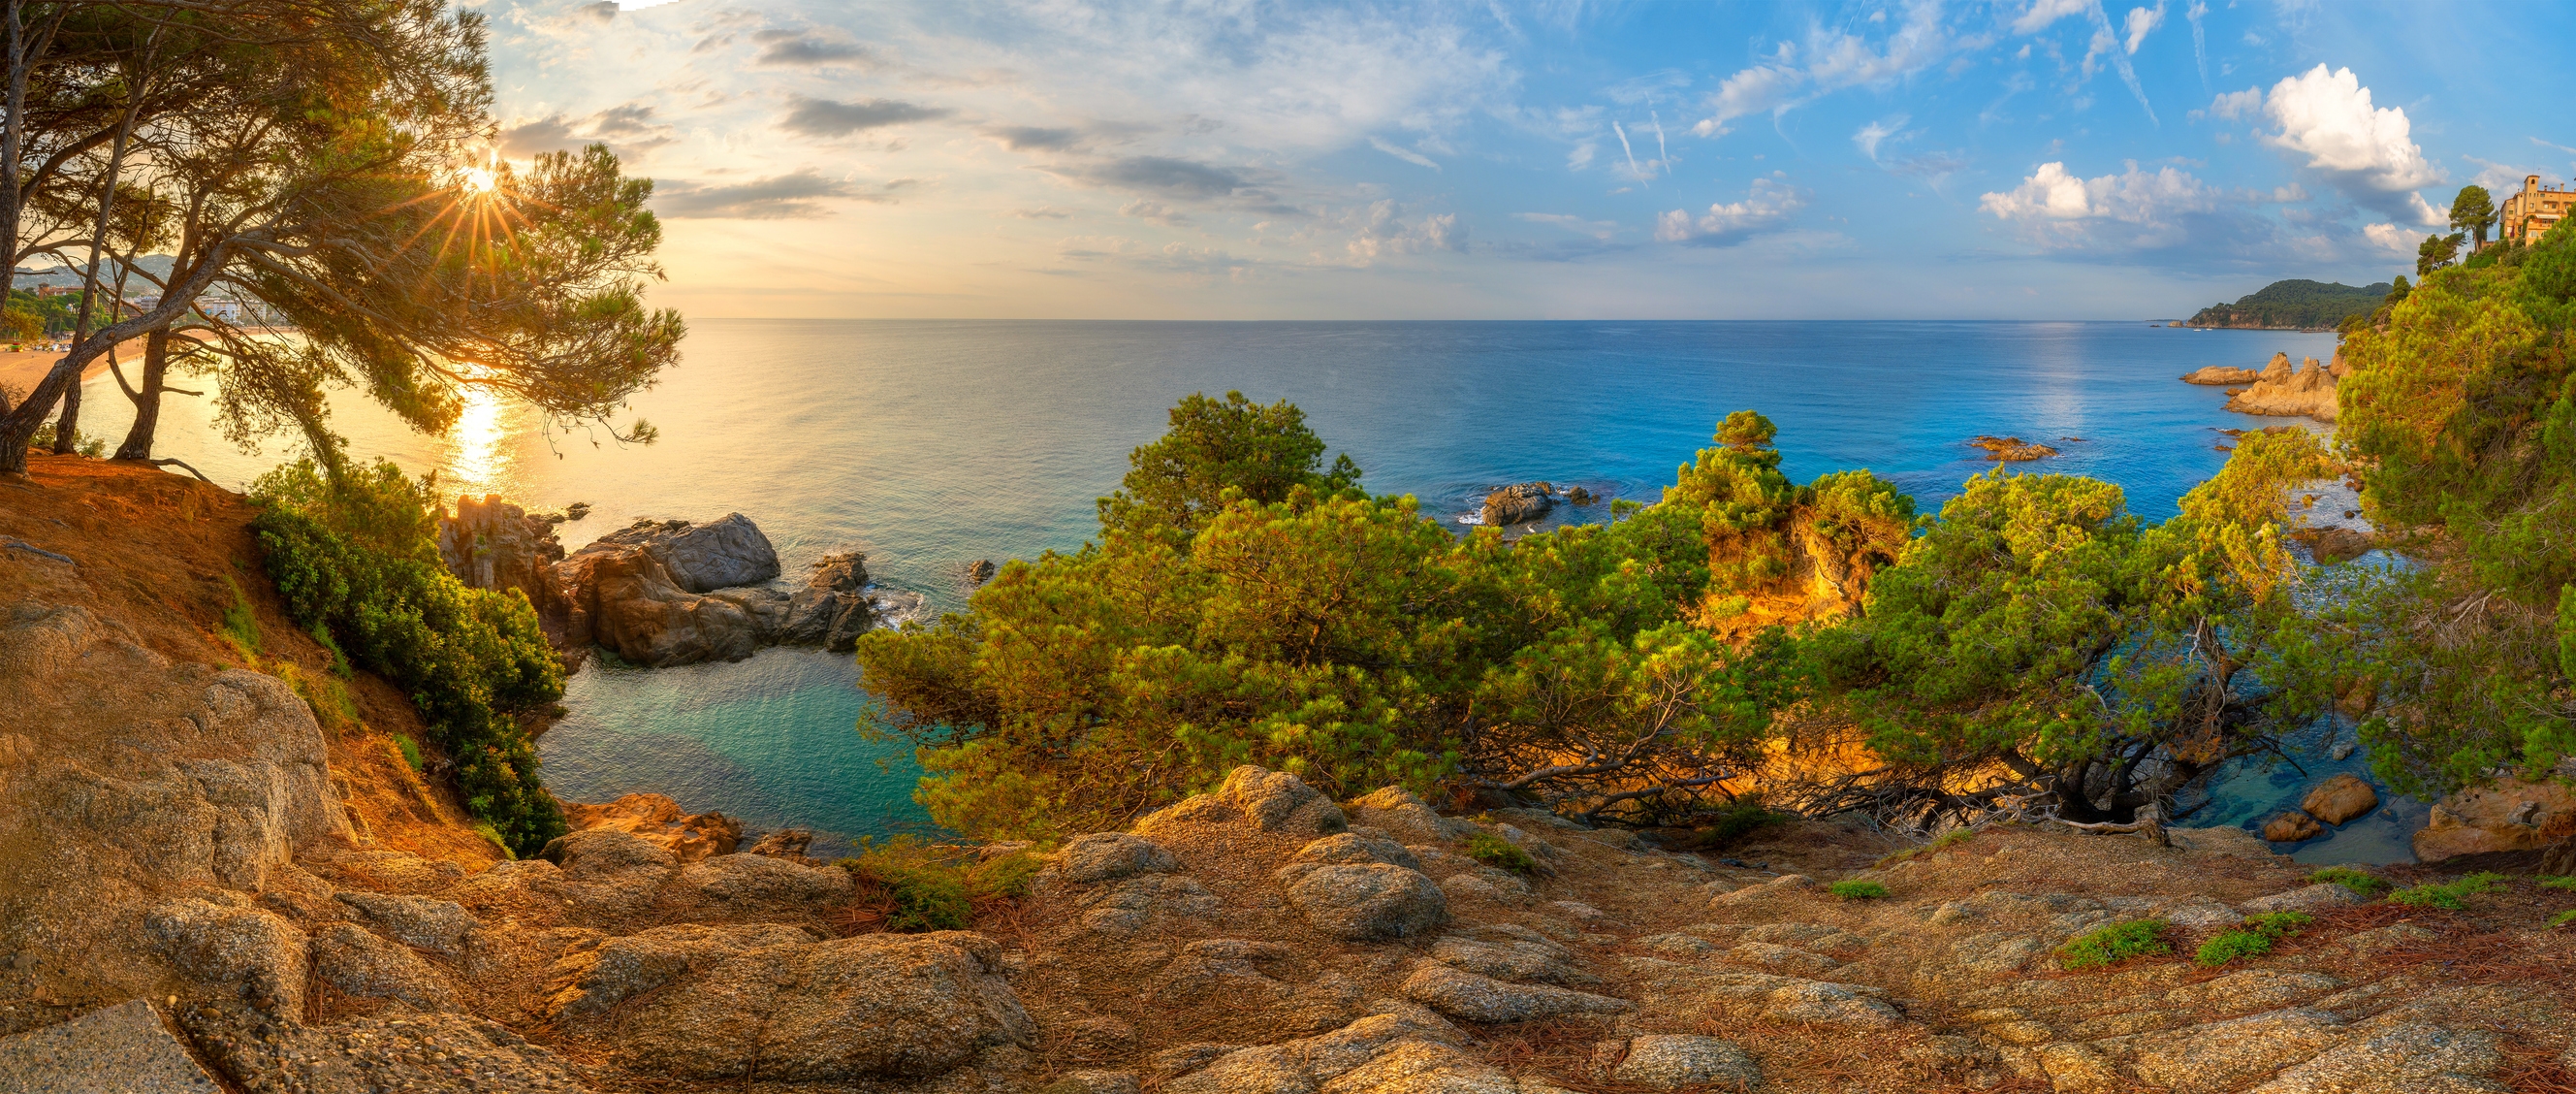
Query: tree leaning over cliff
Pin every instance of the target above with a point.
(332, 180)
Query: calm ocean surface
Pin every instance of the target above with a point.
(931, 444)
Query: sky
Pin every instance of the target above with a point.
(1216, 159)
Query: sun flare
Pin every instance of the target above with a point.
(476, 180)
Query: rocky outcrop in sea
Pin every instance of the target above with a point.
(667, 592)
(2286, 391)
(1519, 503)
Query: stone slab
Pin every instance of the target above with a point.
(123, 1049)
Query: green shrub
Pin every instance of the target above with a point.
(2453, 896)
(1949, 839)
(1495, 851)
(2567, 883)
(1858, 890)
(2254, 939)
(2113, 944)
(2563, 918)
(241, 624)
(354, 561)
(83, 443)
(933, 888)
(2364, 883)
(339, 660)
(485, 830)
(410, 750)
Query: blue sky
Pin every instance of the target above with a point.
(1224, 160)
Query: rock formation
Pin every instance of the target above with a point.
(1519, 503)
(2508, 825)
(2224, 376)
(2011, 449)
(492, 544)
(656, 819)
(661, 593)
(2286, 391)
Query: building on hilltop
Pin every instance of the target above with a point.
(2529, 214)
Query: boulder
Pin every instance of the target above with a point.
(2285, 390)
(628, 601)
(787, 843)
(1108, 856)
(700, 558)
(492, 544)
(1352, 847)
(1518, 503)
(590, 982)
(1137, 903)
(878, 1006)
(1265, 801)
(1507, 952)
(358, 964)
(440, 926)
(1671, 1061)
(1364, 902)
(123, 1048)
(776, 884)
(2510, 824)
(2292, 827)
(833, 609)
(608, 853)
(242, 950)
(1461, 994)
(2340, 799)
(1407, 818)
(656, 819)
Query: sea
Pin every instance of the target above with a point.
(931, 444)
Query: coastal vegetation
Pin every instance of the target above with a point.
(2292, 305)
(355, 561)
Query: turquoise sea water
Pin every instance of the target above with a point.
(930, 444)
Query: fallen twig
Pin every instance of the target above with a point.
(22, 545)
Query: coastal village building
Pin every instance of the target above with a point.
(2528, 215)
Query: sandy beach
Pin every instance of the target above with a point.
(23, 371)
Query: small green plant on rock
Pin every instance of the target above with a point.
(1858, 890)
(1500, 853)
(1949, 839)
(2450, 897)
(922, 887)
(2254, 939)
(2361, 882)
(2113, 944)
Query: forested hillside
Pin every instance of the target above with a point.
(2293, 305)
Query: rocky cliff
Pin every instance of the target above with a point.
(2283, 390)
(197, 862)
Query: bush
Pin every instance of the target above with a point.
(2564, 884)
(353, 560)
(2365, 884)
(2113, 944)
(410, 750)
(1495, 851)
(2254, 939)
(2450, 897)
(83, 443)
(1858, 890)
(933, 888)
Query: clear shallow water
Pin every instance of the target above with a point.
(930, 444)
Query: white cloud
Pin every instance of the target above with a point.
(2135, 209)
(1768, 205)
(1826, 61)
(2389, 237)
(1406, 154)
(2043, 13)
(2199, 39)
(2327, 120)
(2142, 22)
(2237, 105)
(1876, 133)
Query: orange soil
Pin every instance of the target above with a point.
(152, 550)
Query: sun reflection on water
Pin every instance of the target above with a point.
(477, 462)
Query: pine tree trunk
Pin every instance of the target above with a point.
(67, 426)
(147, 398)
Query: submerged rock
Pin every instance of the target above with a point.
(2292, 827)
(2340, 799)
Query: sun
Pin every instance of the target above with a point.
(476, 180)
